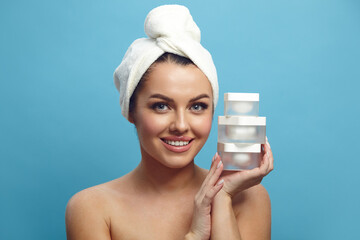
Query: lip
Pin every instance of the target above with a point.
(177, 149)
(177, 138)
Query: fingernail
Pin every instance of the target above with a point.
(219, 164)
(216, 155)
(220, 182)
(267, 142)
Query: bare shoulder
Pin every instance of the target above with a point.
(252, 209)
(91, 198)
(255, 195)
(90, 212)
(87, 216)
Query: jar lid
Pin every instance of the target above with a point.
(239, 147)
(242, 120)
(250, 97)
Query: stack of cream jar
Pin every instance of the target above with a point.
(241, 132)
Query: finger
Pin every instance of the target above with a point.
(209, 196)
(271, 161)
(213, 159)
(212, 167)
(264, 165)
(270, 156)
(216, 162)
(215, 177)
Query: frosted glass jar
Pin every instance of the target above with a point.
(238, 129)
(240, 156)
(241, 104)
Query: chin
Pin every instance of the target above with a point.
(176, 162)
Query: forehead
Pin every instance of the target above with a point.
(176, 80)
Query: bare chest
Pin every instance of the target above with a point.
(152, 219)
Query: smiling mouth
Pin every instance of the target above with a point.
(176, 143)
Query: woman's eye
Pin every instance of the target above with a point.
(197, 107)
(160, 107)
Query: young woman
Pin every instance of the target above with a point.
(171, 102)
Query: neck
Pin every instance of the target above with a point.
(162, 179)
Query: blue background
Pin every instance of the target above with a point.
(61, 129)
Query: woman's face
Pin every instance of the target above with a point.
(173, 114)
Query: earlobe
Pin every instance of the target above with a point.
(131, 118)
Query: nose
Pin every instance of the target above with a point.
(179, 124)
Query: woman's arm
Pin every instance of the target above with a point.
(223, 221)
(85, 218)
(201, 222)
(246, 216)
(253, 213)
(241, 210)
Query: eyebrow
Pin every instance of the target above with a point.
(199, 97)
(157, 95)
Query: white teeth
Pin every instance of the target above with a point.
(177, 143)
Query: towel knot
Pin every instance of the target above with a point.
(173, 22)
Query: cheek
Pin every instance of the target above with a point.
(202, 126)
(150, 125)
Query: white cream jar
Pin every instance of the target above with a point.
(240, 156)
(240, 129)
(241, 104)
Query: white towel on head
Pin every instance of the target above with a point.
(170, 28)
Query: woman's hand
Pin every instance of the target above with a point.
(201, 222)
(235, 182)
